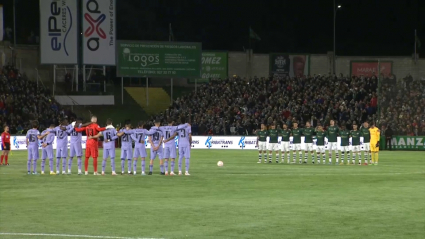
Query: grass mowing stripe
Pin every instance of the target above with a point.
(68, 235)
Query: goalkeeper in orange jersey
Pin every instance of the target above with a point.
(374, 143)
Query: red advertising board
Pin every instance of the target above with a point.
(370, 68)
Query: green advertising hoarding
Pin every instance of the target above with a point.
(158, 59)
(214, 66)
(408, 142)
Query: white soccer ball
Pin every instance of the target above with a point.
(220, 163)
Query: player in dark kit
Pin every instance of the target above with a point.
(5, 145)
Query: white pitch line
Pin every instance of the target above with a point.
(321, 174)
(74, 236)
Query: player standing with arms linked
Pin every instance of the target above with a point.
(261, 143)
(332, 135)
(366, 142)
(273, 143)
(285, 149)
(355, 142)
(61, 145)
(345, 145)
(92, 148)
(47, 151)
(126, 147)
(155, 140)
(32, 137)
(76, 148)
(320, 143)
(308, 140)
(374, 143)
(296, 139)
(5, 145)
(139, 147)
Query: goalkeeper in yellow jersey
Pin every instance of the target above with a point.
(374, 143)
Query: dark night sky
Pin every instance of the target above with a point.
(364, 27)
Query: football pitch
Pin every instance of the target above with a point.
(243, 199)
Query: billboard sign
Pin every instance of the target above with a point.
(58, 32)
(408, 142)
(214, 66)
(371, 68)
(159, 59)
(99, 30)
(292, 65)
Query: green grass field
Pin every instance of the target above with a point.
(243, 199)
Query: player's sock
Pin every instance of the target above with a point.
(187, 164)
(180, 163)
(43, 163)
(2, 156)
(277, 157)
(283, 155)
(300, 154)
(376, 157)
(103, 165)
(79, 163)
(86, 164)
(373, 157)
(264, 155)
(288, 156)
(354, 157)
(129, 165)
(166, 165)
(143, 165)
(161, 168)
(29, 165)
(113, 164)
(134, 164)
(172, 166)
(122, 165)
(348, 157)
(95, 164)
(370, 157)
(259, 157)
(63, 164)
(270, 157)
(34, 165)
(51, 164)
(150, 168)
(58, 162)
(305, 156)
(342, 157)
(70, 163)
(324, 157)
(337, 156)
(294, 156)
(6, 158)
(312, 156)
(330, 157)
(318, 157)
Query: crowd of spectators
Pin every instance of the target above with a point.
(21, 102)
(238, 106)
(403, 106)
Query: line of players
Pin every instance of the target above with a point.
(370, 141)
(157, 135)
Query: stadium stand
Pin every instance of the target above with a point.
(21, 102)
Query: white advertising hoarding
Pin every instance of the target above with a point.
(198, 142)
(99, 32)
(58, 32)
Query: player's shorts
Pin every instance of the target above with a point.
(373, 147)
(273, 146)
(76, 150)
(62, 152)
(139, 152)
(47, 152)
(155, 153)
(6, 146)
(366, 146)
(285, 146)
(308, 146)
(345, 148)
(184, 152)
(262, 146)
(33, 153)
(126, 153)
(355, 148)
(108, 153)
(169, 152)
(333, 146)
(320, 149)
(92, 151)
(296, 147)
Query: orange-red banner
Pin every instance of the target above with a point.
(370, 68)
